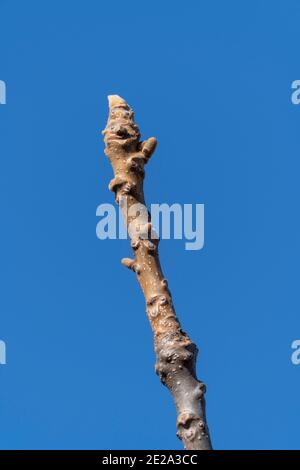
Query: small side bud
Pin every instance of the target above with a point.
(128, 263)
(131, 264)
(149, 146)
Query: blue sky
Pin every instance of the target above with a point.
(212, 81)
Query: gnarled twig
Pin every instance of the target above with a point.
(175, 352)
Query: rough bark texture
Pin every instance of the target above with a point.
(175, 352)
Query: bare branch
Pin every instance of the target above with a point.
(175, 352)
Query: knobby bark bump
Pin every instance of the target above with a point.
(175, 352)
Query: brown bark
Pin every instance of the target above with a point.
(175, 352)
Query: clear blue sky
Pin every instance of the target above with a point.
(210, 79)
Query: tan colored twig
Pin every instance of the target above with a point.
(175, 352)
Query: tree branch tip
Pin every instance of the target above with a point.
(115, 100)
(175, 352)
